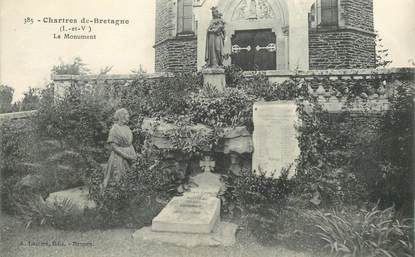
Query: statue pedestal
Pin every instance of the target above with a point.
(214, 77)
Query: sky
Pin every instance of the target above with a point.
(29, 51)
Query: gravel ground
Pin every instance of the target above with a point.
(46, 242)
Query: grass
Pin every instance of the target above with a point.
(116, 242)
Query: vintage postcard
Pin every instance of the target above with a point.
(207, 128)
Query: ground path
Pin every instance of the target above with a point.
(117, 242)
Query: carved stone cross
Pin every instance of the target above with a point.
(207, 165)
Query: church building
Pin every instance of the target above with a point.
(276, 35)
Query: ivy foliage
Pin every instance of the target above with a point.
(258, 201)
(357, 157)
(349, 158)
(79, 119)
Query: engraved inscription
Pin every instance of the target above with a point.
(275, 137)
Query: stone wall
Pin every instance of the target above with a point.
(100, 82)
(173, 53)
(164, 20)
(349, 45)
(357, 14)
(177, 54)
(19, 118)
(341, 49)
(377, 98)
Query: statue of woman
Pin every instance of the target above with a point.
(215, 40)
(120, 139)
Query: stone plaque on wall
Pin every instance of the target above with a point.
(275, 137)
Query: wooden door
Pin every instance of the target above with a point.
(254, 50)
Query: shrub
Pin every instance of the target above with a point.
(29, 102)
(357, 157)
(233, 75)
(137, 197)
(6, 98)
(17, 145)
(259, 200)
(295, 229)
(395, 184)
(131, 202)
(339, 153)
(79, 119)
(365, 233)
(258, 86)
(232, 108)
(344, 155)
(165, 97)
(7, 202)
(60, 215)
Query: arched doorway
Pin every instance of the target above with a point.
(256, 33)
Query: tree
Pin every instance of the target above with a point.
(105, 70)
(29, 102)
(383, 58)
(75, 68)
(140, 70)
(6, 98)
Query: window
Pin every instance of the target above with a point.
(326, 13)
(184, 16)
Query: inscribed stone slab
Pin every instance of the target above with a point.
(188, 214)
(223, 234)
(274, 137)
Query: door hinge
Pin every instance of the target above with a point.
(270, 47)
(236, 49)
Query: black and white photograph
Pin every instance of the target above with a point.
(207, 128)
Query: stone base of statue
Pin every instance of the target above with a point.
(214, 77)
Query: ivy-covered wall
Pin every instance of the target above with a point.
(344, 113)
(375, 85)
(355, 135)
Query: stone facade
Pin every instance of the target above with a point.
(177, 54)
(164, 20)
(357, 14)
(341, 49)
(174, 53)
(350, 44)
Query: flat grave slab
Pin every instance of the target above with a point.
(223, 234)
(196, 213)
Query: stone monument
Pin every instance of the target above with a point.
(197, 213)
(194, 218)
(275, 137)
